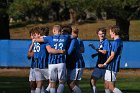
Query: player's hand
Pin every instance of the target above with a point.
(101, 65)
(91, 45)
(94, 55)
(33, 40)
(63, 51)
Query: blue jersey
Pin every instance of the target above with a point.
(40, 55)
(58, 42)
(117, 47)
(104, 45)
(74, 57)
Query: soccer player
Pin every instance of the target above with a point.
(75, 63)
(32, 79)
(113, 62)
(40, 60)
(57, 62)
(57, 65)
(103, 52)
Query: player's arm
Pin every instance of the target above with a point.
(54, 51)
(97, 49)
(30, 51)
(38, 40)
(71, 47)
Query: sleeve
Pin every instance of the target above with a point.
(72, 46)
(46, 39)
(114, 47)
(106, 45)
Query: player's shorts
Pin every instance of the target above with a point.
(110, 75)
(75, 74)
(39, 76)
(57, 72)
(45, 73)
(98, 73)
(32, 75)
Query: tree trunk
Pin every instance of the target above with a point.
(4, 26)
(124, 27)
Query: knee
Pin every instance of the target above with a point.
(72, 84)
(92, 81)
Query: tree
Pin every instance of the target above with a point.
(4, 21)
(122, 10)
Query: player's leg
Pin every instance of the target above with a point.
(61, 77)
(96, 74)
(74, 77)
(39, 80)
(106, 83)
(32, 80)
(110, 76)
(53, 77)
(45, 73)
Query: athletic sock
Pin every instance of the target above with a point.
(52, 90)
(32, 91)
(76, 89)
(107, 91)
(116, 90)
(94, 89)
(48, 88)
(38, 90)
(60, 88)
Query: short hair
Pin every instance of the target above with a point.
(44, 31)
(103, 29)
(34, 30)
(66, 29)
(115, 29)
(75, 29)
(58, 27)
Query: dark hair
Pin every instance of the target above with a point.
(44, 31)
(115, 29)
(66, 29)
(103, 29)
(34, 30)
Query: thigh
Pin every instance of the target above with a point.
(38, 75)
(53, 72)
(76, 74)
(45, 73)
(110, 76)
(97, 73)
(61, 67)
(32, 75)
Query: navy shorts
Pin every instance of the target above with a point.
(98, 73)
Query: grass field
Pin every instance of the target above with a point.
(17, 82)
(87, 30)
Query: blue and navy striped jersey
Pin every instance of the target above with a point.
(58, 42)
(40, 55)
(117, 46)
(74, 57)
(103, 45)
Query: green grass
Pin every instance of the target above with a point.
(21, 85)
(87, 30)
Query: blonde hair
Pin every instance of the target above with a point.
(75, 29)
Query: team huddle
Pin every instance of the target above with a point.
(58, 59)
